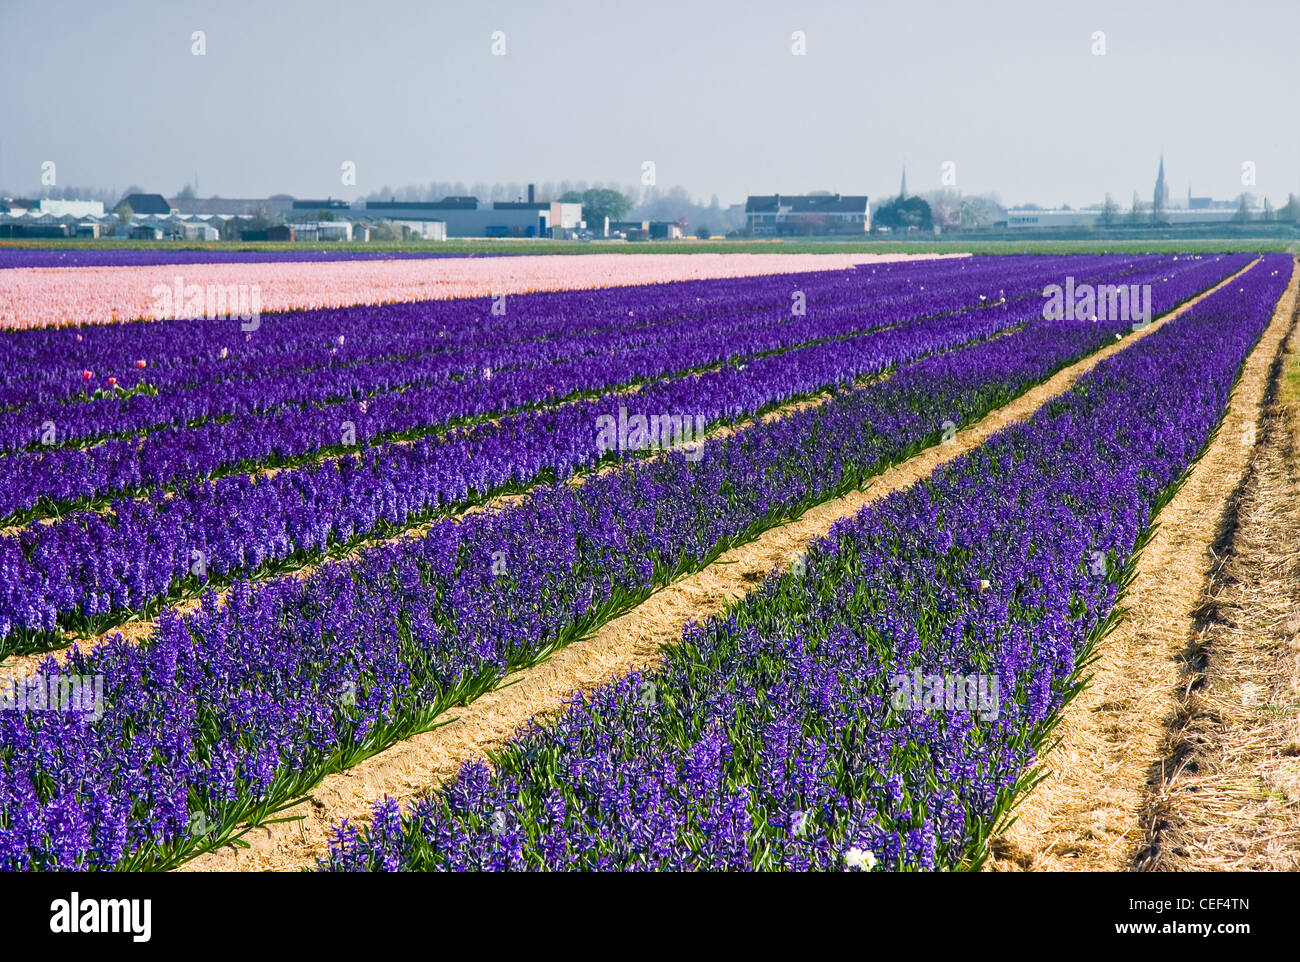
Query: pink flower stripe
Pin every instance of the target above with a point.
(36, 297)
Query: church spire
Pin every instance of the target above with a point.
(1160, 197)
(902, 188)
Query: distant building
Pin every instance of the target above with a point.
(1160, 196)
(631, 229)
(560, 217)
(322, 230)
(1208, 203)
(1030, 217)
(460, 217)
(146, 204)
(334, 230)
(74, 208)
(328, 204)
(665, 230)
(645, 229)
(51, 218)
(13, 229)
(193, 230)
(32, 222)
(425, 228)
(1035, 217)
(233, 206)
(399, 206)
(808, 214)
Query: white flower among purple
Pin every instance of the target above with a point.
(860, 859)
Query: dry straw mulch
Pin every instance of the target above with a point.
(1092, 811)
(1228, 792)
(419, 764)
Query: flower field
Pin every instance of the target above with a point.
(90, 566)
(770, 740)
(40, 296)
(401, 486)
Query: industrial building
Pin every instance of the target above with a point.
(192, 218)
(52, 218)
(808, 214)
(463, 217)
(1178, 217)
(322, 230)
(280, 206)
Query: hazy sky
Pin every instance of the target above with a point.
(1010, 92)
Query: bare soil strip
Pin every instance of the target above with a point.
(1228, 792)
(1090, 813)
(419, 764)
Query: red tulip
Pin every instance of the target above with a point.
(139, 363)
(112, 382)
(87, 375)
